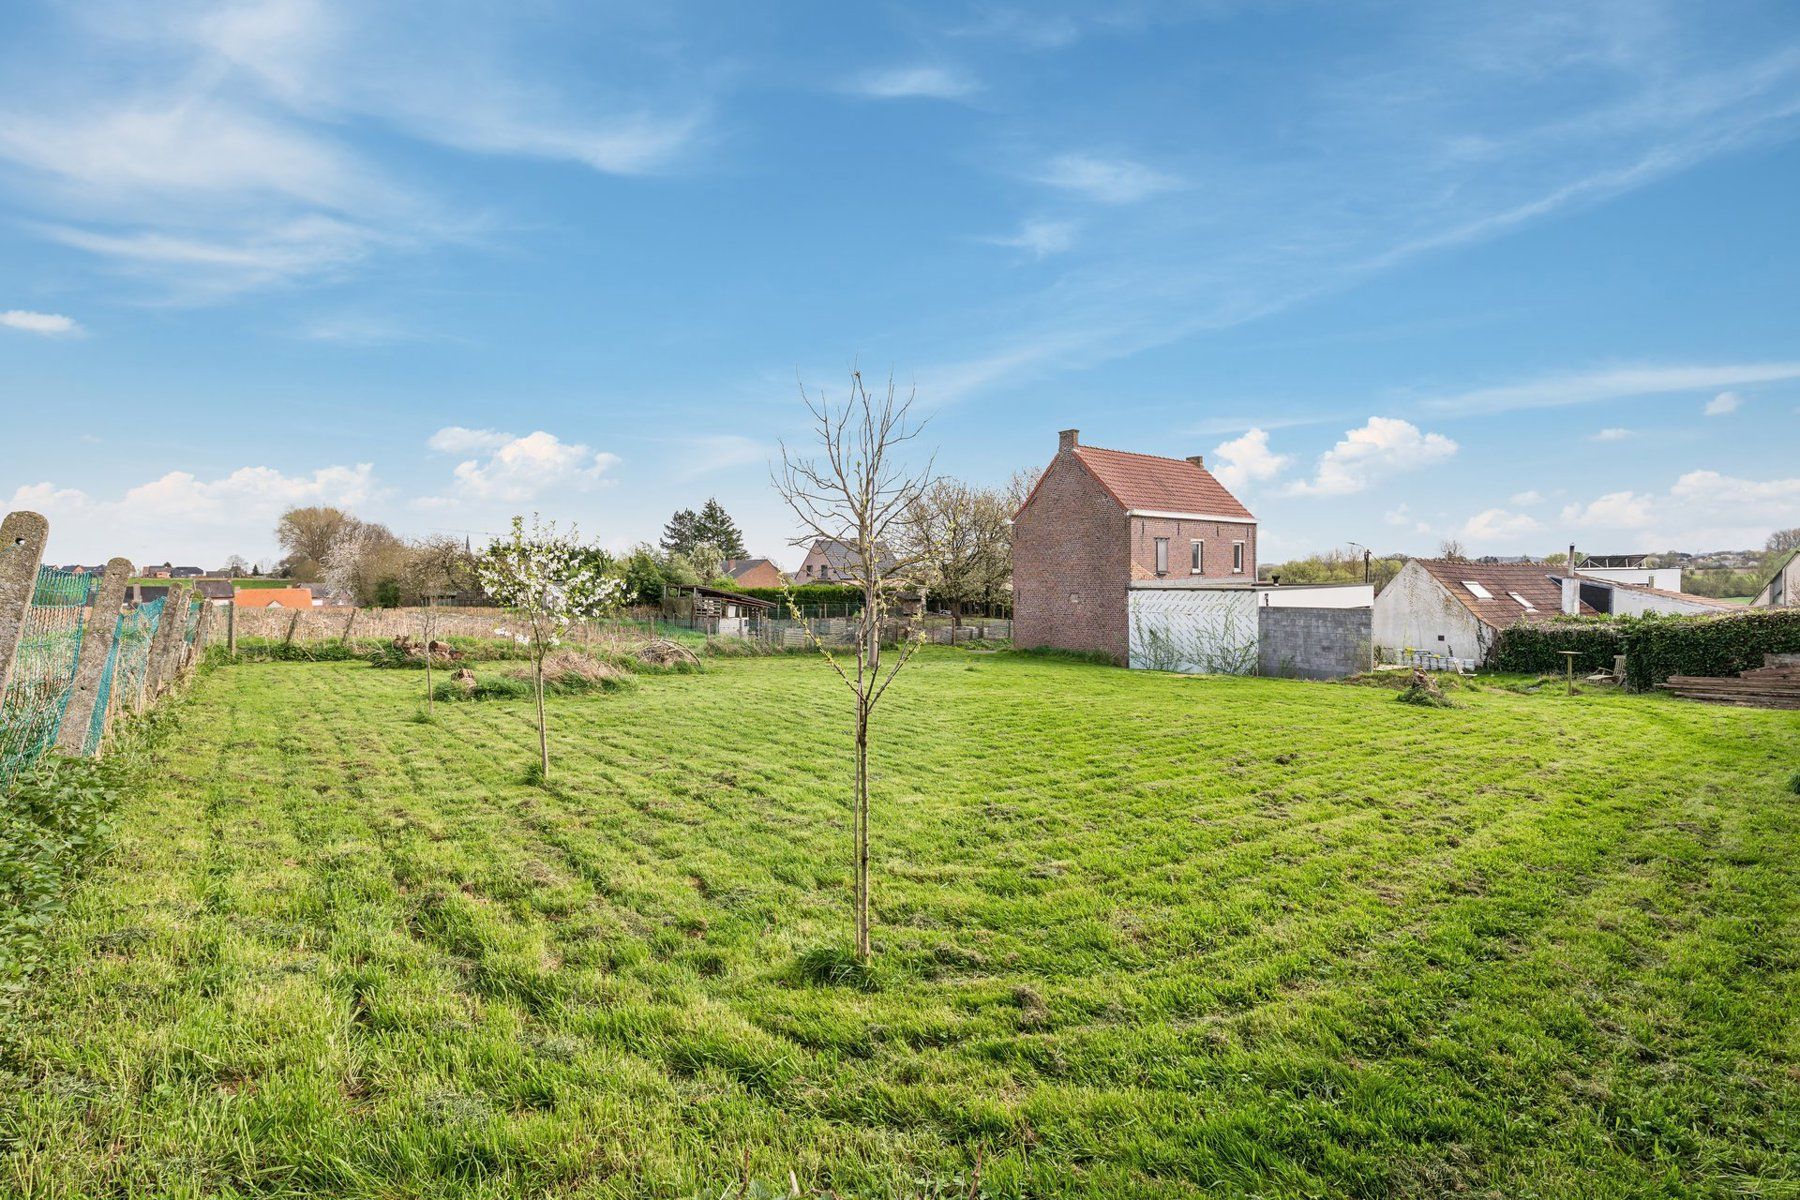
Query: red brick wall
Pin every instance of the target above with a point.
(1218, 536)
(1071, 565)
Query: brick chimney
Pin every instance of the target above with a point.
(1068, 439)
(1199, 460)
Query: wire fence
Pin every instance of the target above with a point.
(43, 668)
(126, 676)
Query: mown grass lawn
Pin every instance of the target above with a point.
(1139, 935)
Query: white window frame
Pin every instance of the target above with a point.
(1237, 558)
(1161, 550)
(1525, 604)
(1477, 590)
(1197, 557)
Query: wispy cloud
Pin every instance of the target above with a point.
(1040, 238)
(915, 83)
(1613, 433)
(1615, 383)
(1498, 525)
(1107, 180)
(45, 324)
(718, 452)
(1723, 404)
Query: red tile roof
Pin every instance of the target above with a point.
(1147, 481)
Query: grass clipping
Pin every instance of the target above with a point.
(566, 673)
(1423, 691)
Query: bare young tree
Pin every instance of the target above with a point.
(856, 492)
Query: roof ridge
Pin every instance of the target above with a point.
(1140, 454)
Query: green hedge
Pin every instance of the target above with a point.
(1655, 647)
(1536, 649)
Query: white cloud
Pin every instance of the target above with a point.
(1612, 434)
(1041, 238)
(1722, 404)
(1498, 525)
(1612, 384)
(1108, 180)
(1383, 446)
(1247, 460)
(455, 439)
(1614, 510)
(48, 324)
(920, 82)
(1527, 497)
(516, 469)
(183, 516)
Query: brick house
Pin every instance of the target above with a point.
(754, 572)
(1100, 520)
(831, 561)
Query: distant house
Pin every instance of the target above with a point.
(1454, 609)
(1629, 568)
(289, 597)
(186, 572)
(1783, 588)
(162, 572)
(829, 560)
(215, 591)
(754, 572)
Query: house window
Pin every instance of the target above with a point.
(1477, 591)
(1237, 558)
(1162, 556)
(1199, 558)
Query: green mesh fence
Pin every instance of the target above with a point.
(43, 668)
(127, 666)
(131, 670)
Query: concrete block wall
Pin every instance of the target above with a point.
(1313, 643)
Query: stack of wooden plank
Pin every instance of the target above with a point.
(1775, 684)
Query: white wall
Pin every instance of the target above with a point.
(1193, 630)
(1316, 595)
(1414, 612)
(1627, 603)
(1666, 578)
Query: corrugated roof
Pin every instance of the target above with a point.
(1149, 481)
(1537, 583)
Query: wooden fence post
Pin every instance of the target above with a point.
(22, 537)
(349, 625)
(293, 623)
(96, 649)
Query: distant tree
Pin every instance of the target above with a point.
(681, 533)
(310, 532)
(642, 577)
(856, 491)
(958, 536)
(715, 525)
(678, 570)
(1450, 548)
(708, 560)
(1783, 540)
(547, 579)
(236, 566)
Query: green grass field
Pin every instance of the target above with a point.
(1138, 936)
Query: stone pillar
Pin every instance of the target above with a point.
(171, 637)
(203, 632)
(22, 537)
(96, 648)
(231, 625)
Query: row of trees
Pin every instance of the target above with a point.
(369, 561)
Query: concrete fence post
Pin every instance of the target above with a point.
(171, 638)
(231, 627)
(96, 648)
(202, 633)
(22, 538)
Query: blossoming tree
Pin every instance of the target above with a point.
(548, 579)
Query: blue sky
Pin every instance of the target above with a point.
(1517, 274)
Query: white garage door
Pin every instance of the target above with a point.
(1196, 631)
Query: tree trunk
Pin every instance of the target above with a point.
(543, 737)
(428, 696)
(861, 831)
